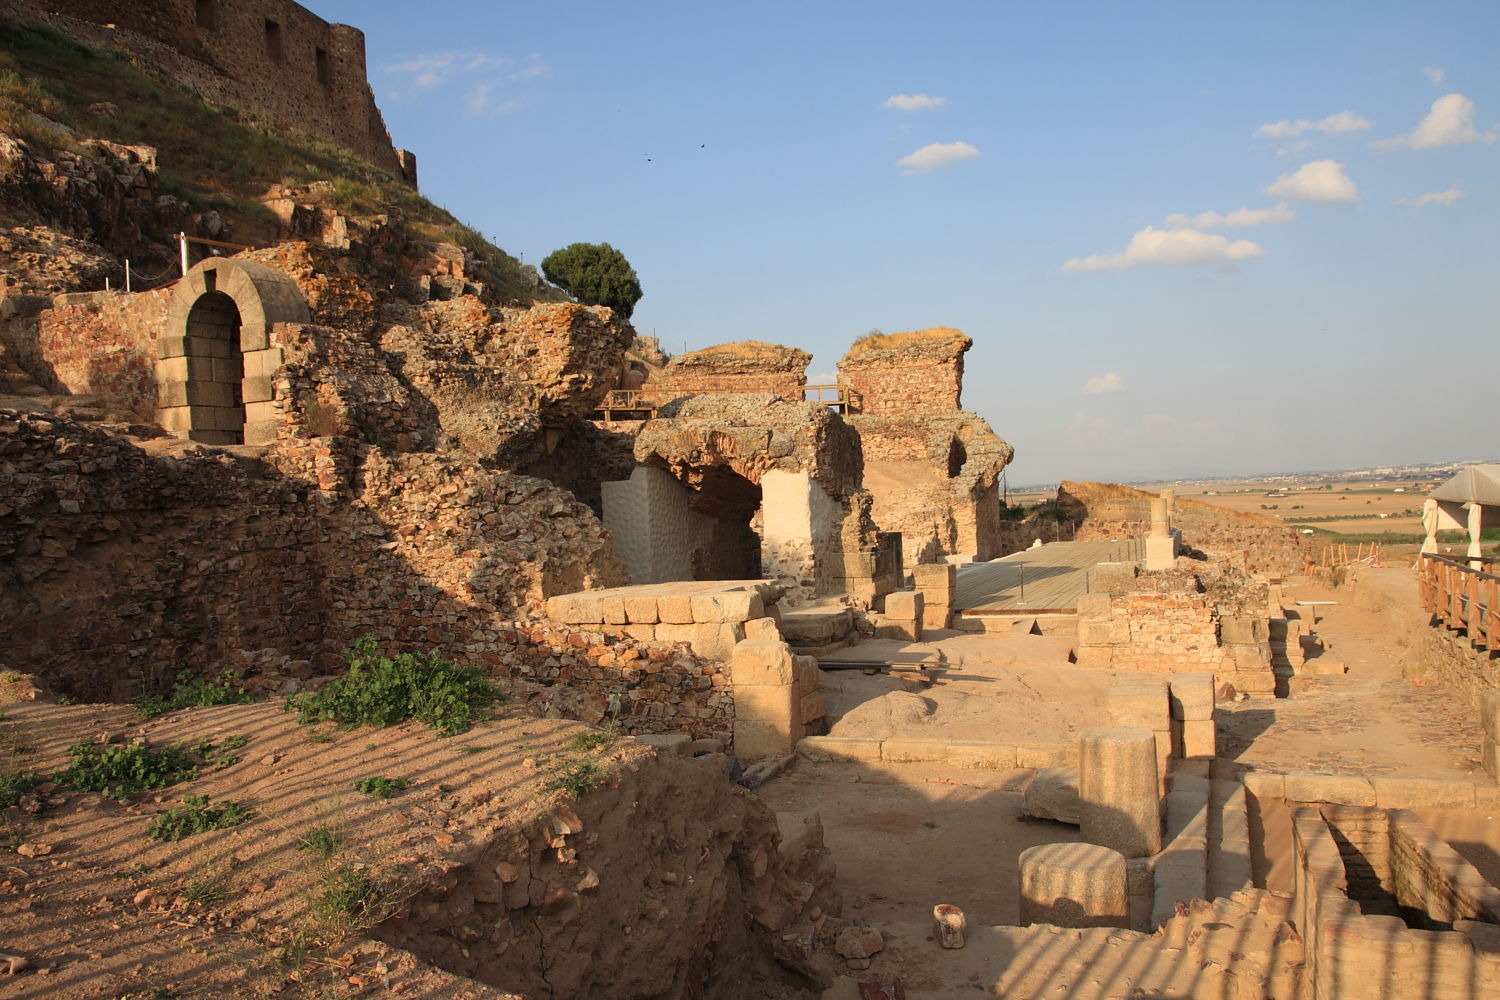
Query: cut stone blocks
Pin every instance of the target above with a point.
(1074, 885)
(904, 604)
(836, 748)
(1192, 697)
(1198, 739)
(1140, 702)
(913, 750)
(1108, 632)
(730, 606)
(1118, 787)
(755, 739)
(1113, 577)
(940, 577)
(981, 756)
(1093, 607)
(768, 702)
(761, 628)
(1344, 789)
(762, 662)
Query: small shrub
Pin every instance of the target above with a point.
(119, 771)
(384, 691)
(209, 889)
(195, 815)
(352, 898)
(321, 842)
(594, 739)
(577, 776)
(192, 692)
(13, 786)
(380, 786)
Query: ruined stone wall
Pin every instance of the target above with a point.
(750, 366)
(906, 373)
(1349, 952)
(121, 567)
(274, 56)
(1166, 623)
(95, 343)
(1462, 667)
(1257, 544)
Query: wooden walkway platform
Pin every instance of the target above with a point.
(1046, 580)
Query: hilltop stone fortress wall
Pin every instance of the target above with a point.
(273, 56)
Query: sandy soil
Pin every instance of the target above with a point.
(107, 911)
(1011, 689)
(1369, 721)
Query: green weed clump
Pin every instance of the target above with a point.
(322, 842)
(596, 738)
(383, 691)
(192, 692)
(120, 771)
(13, 786)
(351, 898)
(577, 776)
(195, 815)
(380, 786)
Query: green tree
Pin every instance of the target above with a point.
(595, 274)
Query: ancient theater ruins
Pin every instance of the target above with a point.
(378, 618)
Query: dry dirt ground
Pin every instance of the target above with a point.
(110, 912)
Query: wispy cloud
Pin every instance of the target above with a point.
(1320, 180)
(914, 102)
(1108, 382)
(1446, 198)
(935, 156)
(1238, 219)
(1169, 246)
(1433, 73)
(1450, 122)
(480, 74)
(1343, 121)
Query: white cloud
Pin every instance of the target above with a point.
(481, 105)
(936, 155)
(1446, 198)
(1320, 180)
(1108, 382)
(1238, 219)
(1343, 121)
(1169, 246)
(1449, 123)
(914, 102)
(1433, 73)
(477, 71)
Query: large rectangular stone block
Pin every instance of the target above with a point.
(813, 706)
(981, 756)
(184, 369)
(838, 748)
(1192, 696)
(936, 616)
(1108, 632)
(257, 388)
(759, 662)
(809, 676)
(613, 610)
(716, 641)
(911, 750)
(1489, 713)
(730, 606)
(675, 609)
(641, 610)
(1344, 789)
(940, 577)
(1198, 739)
(904, 604)
(261, 410)
(575, 609)
(897, 628)
(262, 363)
(762, 628)
(755, 739)
(261, 431)
(768, 702)
(1093, 607)
(1113, 577)
(1140, 702)
(1237, 630)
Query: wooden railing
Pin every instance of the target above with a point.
(1461, 597)
(625, 404)
(840, 397)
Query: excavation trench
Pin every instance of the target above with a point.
(667, 881)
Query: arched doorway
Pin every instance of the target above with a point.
(216, 362)
(216, 367)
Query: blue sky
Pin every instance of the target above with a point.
(1063, 182)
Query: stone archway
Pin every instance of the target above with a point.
(215, 360)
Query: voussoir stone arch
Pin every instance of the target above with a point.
(215, 360)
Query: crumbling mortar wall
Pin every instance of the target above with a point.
(122, 567)
(1460, 665)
